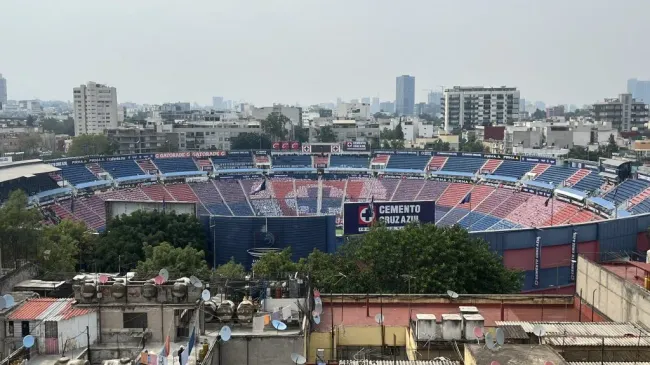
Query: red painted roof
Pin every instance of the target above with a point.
(631, 271)
(49, 309)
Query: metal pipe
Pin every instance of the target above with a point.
(593, 304)
(580, 308)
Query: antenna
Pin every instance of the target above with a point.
(501, 336)
(164, 273)
(196, 282)
(279, 325)
(298, 359)
(489, 341)
(225, 332)
(452, 294)
(205, 295)
(379, 318)
(9, 300)
(28, 341)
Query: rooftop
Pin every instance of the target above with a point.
(631, 271)
(515, 354)
(50, 309)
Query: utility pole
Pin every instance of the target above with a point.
(88, 344)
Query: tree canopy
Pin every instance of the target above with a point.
(436, 259)
(19, 229)
(179, 261)
(471, 145)
(250, 141)
(231, 270)
(274, 125)
(124, 239)
(438, 145)
(60, 251)
(326, 134)
(58, 127)
(539, 114)
(91, 144)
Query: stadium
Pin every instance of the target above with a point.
(537, 213)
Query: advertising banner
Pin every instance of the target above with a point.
(538, 258)
(359, 216)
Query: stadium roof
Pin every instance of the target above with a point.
(539, 184)
(612, 162)
(452, 173)
(577, 194)
(27, 168)
(602, 202)
(92, 184)
(135, 177)
(501, 178)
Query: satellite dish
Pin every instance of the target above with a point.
(205, 295)
(164, 273)
(9, 300)
(478, 332)
(549, 363)
(225, 332)
(379, 318)
(495, 363)
(501, 336)
(317, 319)
(279, 325)
(28, 341)
(318, 305)
(452, 294)
(159, 280)
(539, 330)
(3, 303)
(196, 282)
(489, 341)
(298, 359)
(103, 279)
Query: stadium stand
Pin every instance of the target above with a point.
(463, 164)
(478, 222)
(408, 162)
(284, 192)
(577, 176)
(30, 185)
(533, 212)
(590, 182)
(490, 166)
(306, 196)
(408, 189)
(382, 189)
(147, 166)
(182, 164)
(452, 217)
(209, 195)
(333, 192)
(353, 161)
(95, 168)
(135, 194)
(380, 159)
(454, 194)
(556, 175)
(122, 168)
(355, 189)
(540, 168)
(183, 193)
(204, 164)
(157, 193)
(437, 163)
(432, 190)
(321, 161)
(77, 174)
(292, 161)
(243, 161)
(262, 159)
(582, 216)
(514, 169)
(477, 195)
(628, 189)
(233, 193)
(509, 204)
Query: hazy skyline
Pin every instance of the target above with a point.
(288, 51)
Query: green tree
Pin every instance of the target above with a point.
(301, 134)
(91, 144)
(250, 141)
(275, 263)
(19, 229)
(58, 127)
(471, 145)
(436, 258)
(274, 125)
(612, 147)
(62, 246)
(398, 133)
(30, 120)
(326, 134)
(180, 262)
(539, 114)
(123, 241)
(168, 147)
(29, 143)
(438, 145)
(231, 270)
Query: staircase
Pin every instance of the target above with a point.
(579, 175)
(639, 197)
(540, 168)
(380, 159)
(490, 166)
(437, 163)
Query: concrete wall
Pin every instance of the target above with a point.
(354, 336)
(12, 278)
(258, 350)
(159, 321)
(618, 299)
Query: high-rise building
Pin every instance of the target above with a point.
(375, 106)
(3, 91)
(405, 95)
(466, 106)
(434, 101)
(95, 108)
(623, 112)
(387, 107)
(217, 103)
(365, 100)
(639, 89)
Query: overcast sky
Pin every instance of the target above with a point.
(308, 51)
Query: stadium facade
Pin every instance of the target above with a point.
(537, 213)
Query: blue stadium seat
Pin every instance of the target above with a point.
(123, 168)
(243, 161)
(590, 182)
(350, 161)
(167, 165)
(515, 169)
(291, 161)
(77, 174)
(30, 185)
(409, 162)
(556, 174)
(626, 190)
(464, 164)
(452, 217)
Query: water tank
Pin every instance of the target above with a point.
(118, 290)
(425, 327)
(88, 290)
(245, 311)
(210, 310)
(225, 311)
(149, 290)
(180, 287)
(452, 328)
(472, 321)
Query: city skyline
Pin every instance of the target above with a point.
(269, 62)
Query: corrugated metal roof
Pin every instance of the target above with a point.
(597, 341)
(609, 363)
(47, 309)
(28, 170)
(514, 332)
(582, 329)
(398, 362)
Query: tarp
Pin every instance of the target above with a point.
(185, 173)
(602, 202)
(501, 178)
(288, 169)
(452, 173)
(92, 184)
(539, 184)
(134, 178)
(573, 193)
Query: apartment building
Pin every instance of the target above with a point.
(3, 92)
(138, 140)
(95, 108)
(623, 112)
(405, 95)
(466, 106)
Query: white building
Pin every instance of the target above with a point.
(353, 110)
(95, 108)
(477, 105)
(3, 91)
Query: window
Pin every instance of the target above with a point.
(134, 320)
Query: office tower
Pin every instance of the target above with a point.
(3, 91)
(217, 102)
(434, 101)
(365, 100)
(405, 95)
(639, 89)
(465, 106)
(375, 106)
(95, 108)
